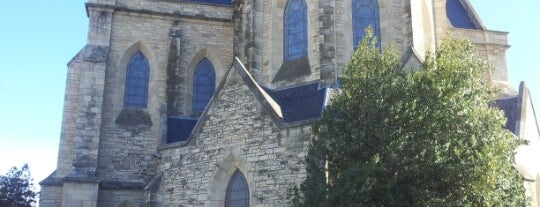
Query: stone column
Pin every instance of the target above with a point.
(327, 46)
(81, 186)
(246, 25)
(440, 20)
(175, 80)
(240, 24)
(255, 52)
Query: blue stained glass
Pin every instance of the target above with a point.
(237, 191)
(136, 88)
(295, 30)
(203, 85)
(365, 13)
(457, 15)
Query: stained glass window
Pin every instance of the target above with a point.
(457, 15)
(365, 13)
(203, 85)
(295, 30)
(237, 191)
(136, 89)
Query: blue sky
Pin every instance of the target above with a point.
(38, 38)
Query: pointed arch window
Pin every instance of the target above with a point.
(237, 191)
(295, 30)
(136, 88)
(365, 13)
(458, 15)
(203, 85)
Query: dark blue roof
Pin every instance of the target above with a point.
(179, 128)
(222, 2)
(300, 103)
(509, 106)
(457, 15)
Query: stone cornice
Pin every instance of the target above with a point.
(181, 15)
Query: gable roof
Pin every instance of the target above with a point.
(515, 109)
(293, 106)
(288, 107)
(258, 91)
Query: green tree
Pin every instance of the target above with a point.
(16, 188)
(412, 137)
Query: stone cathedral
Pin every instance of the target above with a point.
(211, 102)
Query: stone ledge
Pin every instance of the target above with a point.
(196, 2)
(95, 53)
(154, 183)
(111, 185)
(198, 16)
(52, 181)
(133, 117)
(487, 37)
(293, 69)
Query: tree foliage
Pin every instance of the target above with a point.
(16, 188)
(403, 137)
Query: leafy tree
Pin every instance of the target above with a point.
(16, 188)
(422, 137)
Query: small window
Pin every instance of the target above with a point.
(237, 191)
(136, 88)
(365, 13)
(295, 30)
(203, 85)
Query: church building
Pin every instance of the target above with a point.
(211, 102)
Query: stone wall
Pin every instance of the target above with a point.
(330, 37)
(117, 197)
(80, 194)
(492, 46)
(50, 196)
(116, 156)
(178, 8)
(126, 149)
(272, 42)
(237, 134)
(119, 154)
(71, 99)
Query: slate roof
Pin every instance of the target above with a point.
(300, 103)
(295, 105)
(510, 107)
(222, 2)
(179, 128)
(458, 16)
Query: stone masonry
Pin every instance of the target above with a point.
(112, 155)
